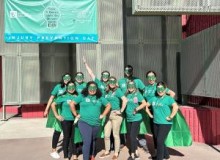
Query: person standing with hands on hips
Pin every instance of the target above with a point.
(66, 118)
(114, 119)
(91, 103)
(164, 109)
(135, 103)
(52, 122)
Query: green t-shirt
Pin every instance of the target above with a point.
(80, 87)
(151, 90)
(162, 108)
(58, 90)
(114, 98)
(102, 86)
(64, 101)
(134, 100)
(90, 108)
(123, 84)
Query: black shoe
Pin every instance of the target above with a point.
(130, 158)
(153, 157)
(136, 157)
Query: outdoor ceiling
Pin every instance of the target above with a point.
(175, 7)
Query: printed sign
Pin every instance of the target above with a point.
(51, 21)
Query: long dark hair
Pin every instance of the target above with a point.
(85, 91)
(62, 81)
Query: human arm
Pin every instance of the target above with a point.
(105, 112)
(148, 111)
(59, 117)
(124, 103)
(89, 70)
(48, 105)
(73, 108)
(174, 111)
(171, 93)
(141, 106)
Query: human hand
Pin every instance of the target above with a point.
(60, 118)
(118, 113)
(45, 113)
(169, 118)
(101, 116)
(84, 60)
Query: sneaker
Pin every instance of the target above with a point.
(104, 155)
(55, 155)
(136, 157)
(145, 148)
(92, 158)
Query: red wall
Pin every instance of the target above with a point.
(204, 123)
(192, 24)
(0, 81)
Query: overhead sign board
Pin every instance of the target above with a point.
(51, 21)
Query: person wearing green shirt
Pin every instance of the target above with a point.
(91, 102)
(102, 83)
(52, 122)
(134, 118)
(128, 76)
(164, 109)
(66, 117)
(150, 91)
(79, 81)
(113, 121)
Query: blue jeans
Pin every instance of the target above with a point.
(89, 134)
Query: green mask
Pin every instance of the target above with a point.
(128, 70)
(79, 77)
(112, 81)
(92, 88)
(71, 87)
(130, 86)
(151, 78)
(67, 77)
(105, 75)
(160, 89)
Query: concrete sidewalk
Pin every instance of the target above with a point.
(28, 139)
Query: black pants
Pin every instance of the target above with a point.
(161, 131)
(68, 135)
(153, 134)
(55, 139)
(133, 130)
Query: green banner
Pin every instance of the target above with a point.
(51, 21)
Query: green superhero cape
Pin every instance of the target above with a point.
(52, 122)
(179, 134)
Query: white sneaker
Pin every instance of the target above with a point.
(55, 155)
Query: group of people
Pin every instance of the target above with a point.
(82, 111)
